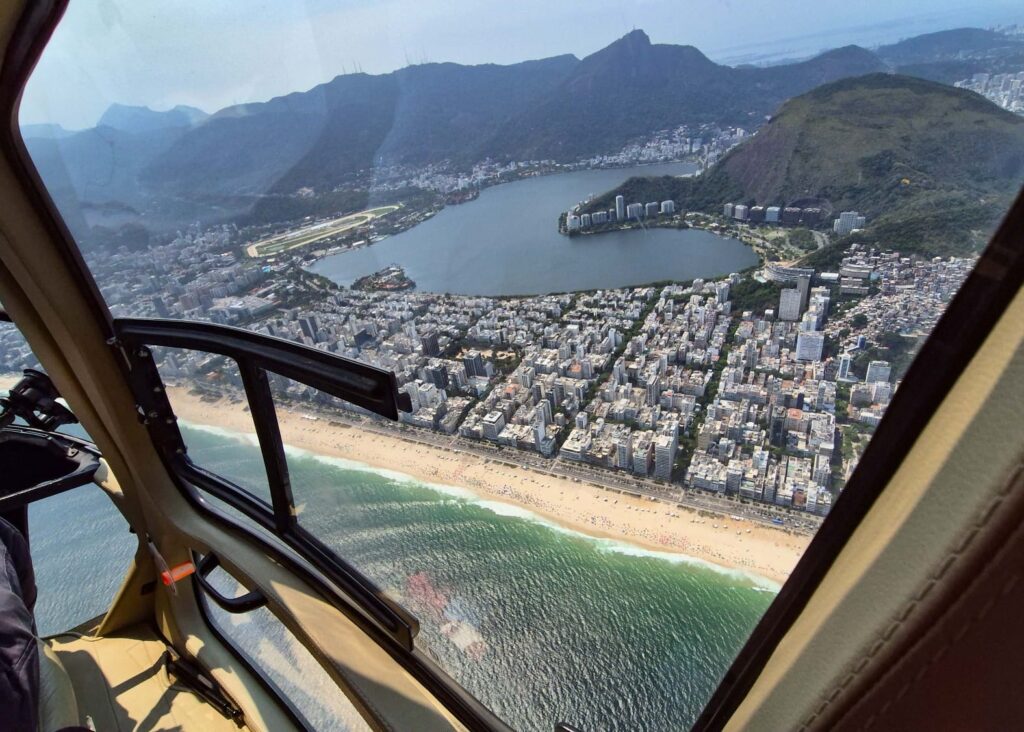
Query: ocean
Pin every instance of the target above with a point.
(541, 623)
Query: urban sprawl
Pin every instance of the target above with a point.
(1006, 90)
(664, 388)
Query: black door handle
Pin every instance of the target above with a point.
(242, 604)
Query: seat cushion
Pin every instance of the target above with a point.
(58, 707)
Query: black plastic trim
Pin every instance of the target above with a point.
(85, 456)
(279, 697)
(367, 597)
(252, 352)
(436, 680)
(264, 417)
(357, 383)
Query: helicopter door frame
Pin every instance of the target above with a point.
(256, 354)
(392, 626)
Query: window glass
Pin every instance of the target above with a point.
(205, 391)
(489, 581)
(648, 296)
(81, 552)
(287, 664)
(81, 545)
(15, 354)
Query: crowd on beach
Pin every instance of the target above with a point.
(595, 511)
(577, 505)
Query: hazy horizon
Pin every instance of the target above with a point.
(215, 57)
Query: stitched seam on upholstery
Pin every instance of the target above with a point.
(954, 639)
(908, 610)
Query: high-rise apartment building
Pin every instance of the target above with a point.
(810, 345)
(878, 371)
(847, 222)
(789, 304)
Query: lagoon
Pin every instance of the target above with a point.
(506, 242)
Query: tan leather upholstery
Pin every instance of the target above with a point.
(121, 684)
(58, 707)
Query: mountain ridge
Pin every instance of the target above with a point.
(899, 149)
(633, 87)
(558, 108)
(136, 119)
(181, 165)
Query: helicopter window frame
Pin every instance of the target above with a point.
(968, 320)
(356, 383)
(248, 663)
(383, 619)
(209, 609)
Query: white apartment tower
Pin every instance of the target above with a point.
(878, 371)
(789, 304)
(847, 222)
(809, 346)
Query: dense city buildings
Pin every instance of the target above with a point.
(1006, 90)
(703, 144)
(667, 385)
(623, 214)
(790, 215)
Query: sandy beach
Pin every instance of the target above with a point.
(653, 525)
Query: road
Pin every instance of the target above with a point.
(799, 522)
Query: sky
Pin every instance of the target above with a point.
(214, 54)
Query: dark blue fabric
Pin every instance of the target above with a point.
(19, 653)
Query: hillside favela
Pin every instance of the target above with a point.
(647, 306)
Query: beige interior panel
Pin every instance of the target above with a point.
(58, 707)
(963, 667)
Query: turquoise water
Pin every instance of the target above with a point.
(541, 623)
(553, 625)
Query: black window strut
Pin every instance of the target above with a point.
(366, 386)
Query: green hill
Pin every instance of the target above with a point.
(932, 167)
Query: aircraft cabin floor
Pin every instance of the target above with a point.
(121, 683)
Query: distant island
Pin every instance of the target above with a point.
(389, 279)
